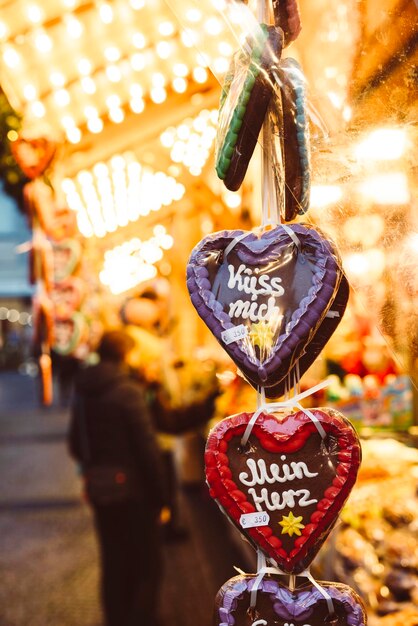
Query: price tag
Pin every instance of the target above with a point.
(234, 334)
(251, 520)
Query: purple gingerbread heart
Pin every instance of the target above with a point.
(276, 605)
(266, 297)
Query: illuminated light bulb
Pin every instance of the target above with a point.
(183, 131)
(347, 113)
(136, 90)
(384, 144)
(69, 4)
(88, 85)
(158, 95)
(180, 69)
(193, 15)
(43, 42)
(38, 109)
(164, 49)
(117, 162)
(200, 75)
(84, 177)
(167, 138)
(231, 199)
(166, 28)
(179, 191)
(106, 13)
(112, 53)
(73, 135)
(214, 116)
(389, 188)
(113, 101)
(137, 105)
(137, 4)
(159, 230)
(179, 85)
(84, 66)
(57, 79)
(67, 186)
(74, 27)
(202, 59)
(225, 49)
(11, 57)
(4, 31)
(62, 97)
(138, 40)
(30, 92)
(12, 135)
(35, 14)
(166, 242)
(67, 121)
(90, 111)
(221, 65)
(137, 61)
(189, 38)
(195, 171)
(323, 195)
(113, 73)
(116, 115)
(213, 26)
(177, 153)
(100, 170)
(220, 5)
(356, 264)
(95, 125)
(158, 79)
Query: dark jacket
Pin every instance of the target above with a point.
(118, 428)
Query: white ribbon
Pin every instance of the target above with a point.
(263, 569)
(322, 591)
(289, 403)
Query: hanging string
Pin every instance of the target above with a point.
(294, 401)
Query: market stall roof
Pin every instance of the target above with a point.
(131, 88)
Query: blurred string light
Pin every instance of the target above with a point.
(133, 262)
(388, 188)
(191, 141)
(383, 144)
(117, 192)
(47, 37)
(13, 315)
(324, 195)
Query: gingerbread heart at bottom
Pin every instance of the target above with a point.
(276, 605)
(285, 488)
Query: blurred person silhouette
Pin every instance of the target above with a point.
(112, 437)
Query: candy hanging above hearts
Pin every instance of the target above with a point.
(69, 333)
(295, 139)
(286, 16)
(67, 296)
(292, 476)
(245, 97)
(66, 257)
(264, 297)
(33, 154)
(276, 605)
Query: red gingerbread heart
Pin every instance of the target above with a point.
(293, 479)
(33, 155)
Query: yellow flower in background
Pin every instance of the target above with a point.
(291, 525)
(261, 335)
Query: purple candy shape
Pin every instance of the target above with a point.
(324, 264)
(288, 605)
